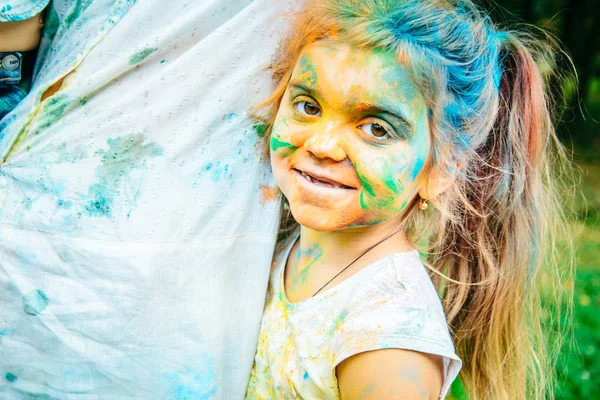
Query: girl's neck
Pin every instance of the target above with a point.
(319, 256)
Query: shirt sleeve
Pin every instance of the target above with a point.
(398, 308)
(20, 10)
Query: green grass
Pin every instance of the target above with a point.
(578, 369)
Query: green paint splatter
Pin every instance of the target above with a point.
(83, 101)
(10, 377)
(63, 154)
(364, 182)
(77, 10)
(278, 144)
(141, 55)
(51, 24)
(260, 129)
(35, 302)
(124, 154)
(389, 181)
(307, 70)
(53, 109)
(368, 198)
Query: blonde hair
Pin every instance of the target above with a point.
(493, 236)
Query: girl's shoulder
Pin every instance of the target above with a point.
(397, 306)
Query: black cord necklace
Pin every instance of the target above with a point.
(355, 260)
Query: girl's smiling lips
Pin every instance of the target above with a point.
(321, 178)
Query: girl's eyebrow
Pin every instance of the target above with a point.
(363, 107)
(369, 108)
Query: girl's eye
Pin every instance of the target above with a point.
(307, 108)
(375, 130)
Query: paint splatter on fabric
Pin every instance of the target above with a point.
(131, 202)
(388, 304)
(10, 377)
(35, 302)
(20, 10)
(141, 55)
(124, 154)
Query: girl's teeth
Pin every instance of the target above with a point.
(318, 182)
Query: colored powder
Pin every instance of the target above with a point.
(388, 180)
(198, 383)
(141, 55)
(314, 254)
(10, 377)
(307, 71)
(77, 10)
(418, 166)
(268, 193)
(278, 144)
(35, 302)
(260, 129)
(124, 154)
(53, 110)
(364, 182)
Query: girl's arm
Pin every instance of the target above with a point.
(391, 374)
(20, 35)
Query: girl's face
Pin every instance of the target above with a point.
(350, 138)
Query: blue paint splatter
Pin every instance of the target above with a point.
(124, 154)
(35, 302)
(417, 167)
(216, 171)
(306, 375)
(10, 377)
(200, 383)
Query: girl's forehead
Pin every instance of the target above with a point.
(338, 70)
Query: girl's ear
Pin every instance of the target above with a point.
(438, 181)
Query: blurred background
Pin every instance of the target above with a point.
(576, 23)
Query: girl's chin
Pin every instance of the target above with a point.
(321, 221)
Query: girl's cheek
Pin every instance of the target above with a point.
(281, 142)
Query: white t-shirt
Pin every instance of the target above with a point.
(137, 217)
(388, 304)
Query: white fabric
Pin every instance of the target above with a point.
(388, 304)
(19, 10)
(137, 217)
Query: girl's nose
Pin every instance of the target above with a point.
(326, 145)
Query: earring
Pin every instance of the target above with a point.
(423, 204)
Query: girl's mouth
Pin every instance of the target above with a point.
(321, 181)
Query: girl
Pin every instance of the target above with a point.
(399, 123)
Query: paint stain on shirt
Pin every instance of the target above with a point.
(53, 110)
(141, 55)
(35, 302)
(10, 377)
(124, 154)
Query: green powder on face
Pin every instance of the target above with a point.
(279, 144)
(307, 71)
(364, 183)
